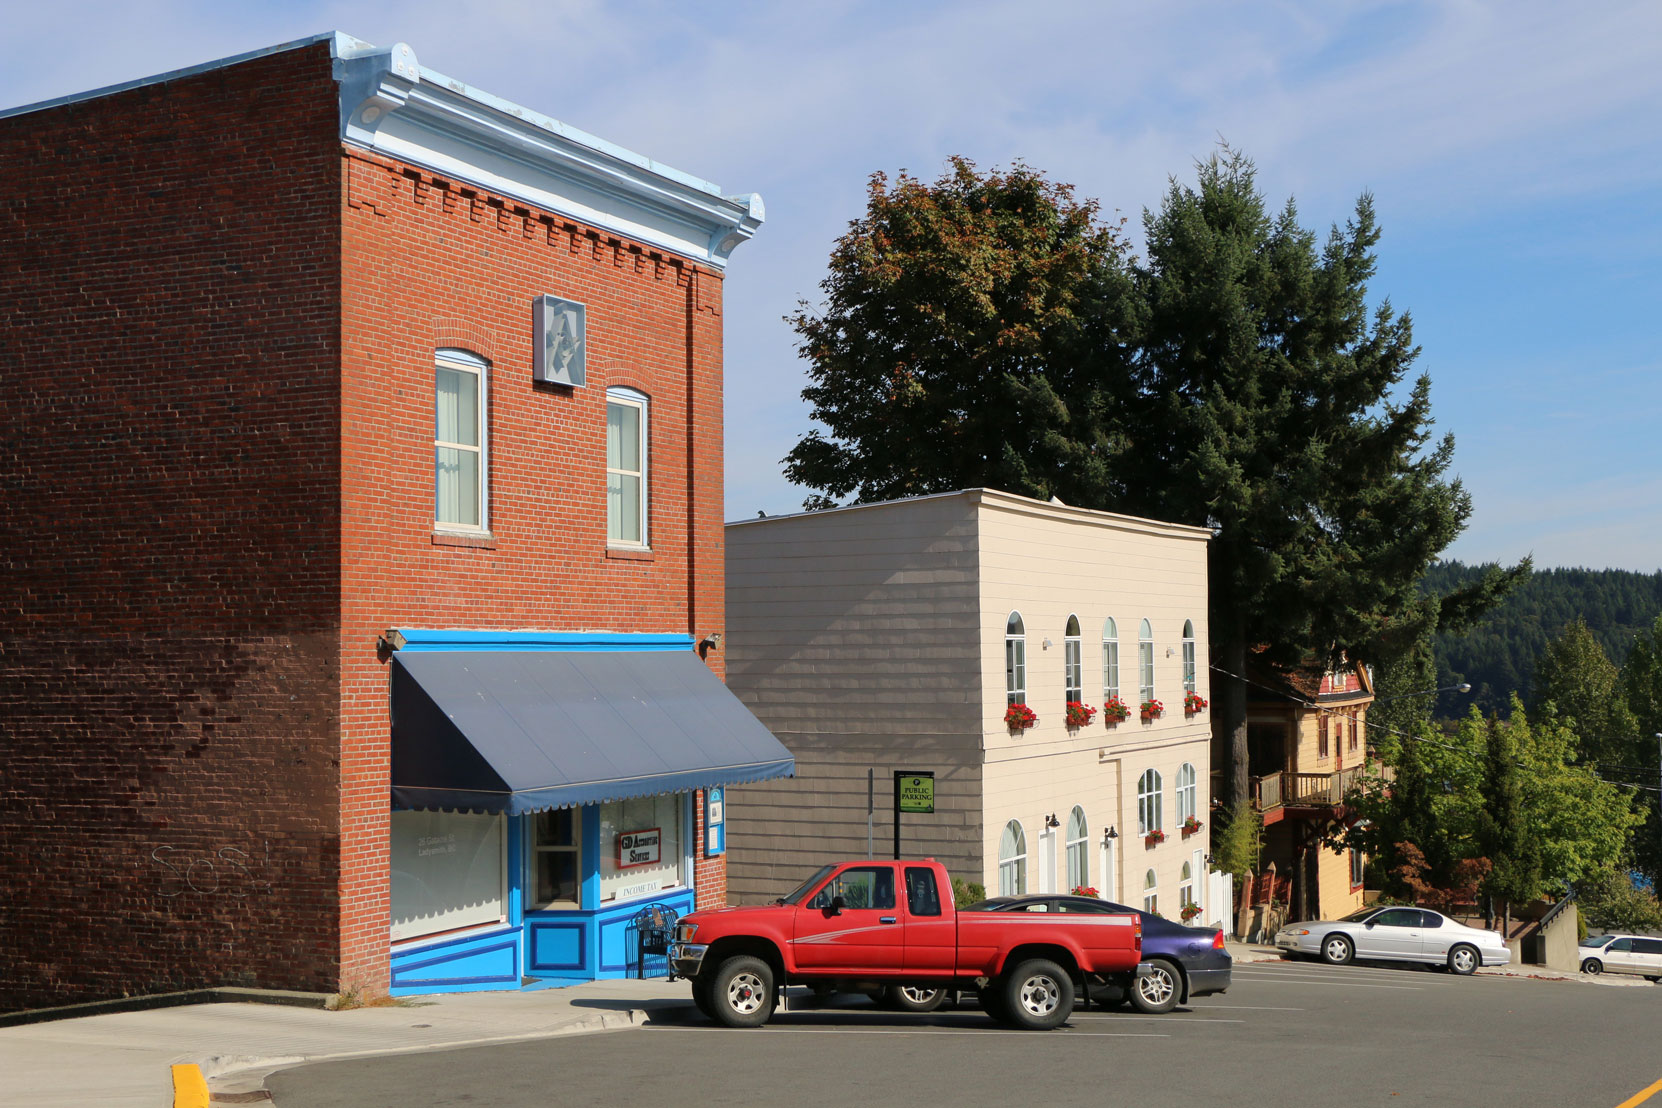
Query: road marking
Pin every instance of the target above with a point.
(1249, 1008)
(904, 1031)
(1162, 1019)
(1642, 1095)
(1340, 984)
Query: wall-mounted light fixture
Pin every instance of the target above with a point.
(1110, 835)
(709, 643)
(1047, 644)
(1052, 821)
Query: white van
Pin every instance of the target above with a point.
(1638, 954)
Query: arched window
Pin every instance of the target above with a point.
(1110, 660)
(1148, 802)
(1151, 893)
(1188, 656)
(1145, 662)
(1079, 865)
(1015, 660)
(1186, 886)
(1072, 662)
(1012, 861)
(1188, 794)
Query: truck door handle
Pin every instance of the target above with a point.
(885, 919)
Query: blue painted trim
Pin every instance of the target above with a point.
(462, 951)
(424, 639)
(579, 925)
(590, 858)
(518, 829)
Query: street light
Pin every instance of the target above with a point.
(1461, 687)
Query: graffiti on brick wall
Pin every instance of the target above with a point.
(212, 871)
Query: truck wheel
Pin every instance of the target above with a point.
(742, 992)
(910, 998)
(1038, 994)
(991, 1002)
(701, 995)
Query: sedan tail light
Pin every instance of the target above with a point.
(1217, 941)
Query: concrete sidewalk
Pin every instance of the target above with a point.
(126, 1058)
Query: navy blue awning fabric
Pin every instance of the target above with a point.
(525, 731)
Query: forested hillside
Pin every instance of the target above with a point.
(1498, 655)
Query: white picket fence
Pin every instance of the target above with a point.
(1218, 908)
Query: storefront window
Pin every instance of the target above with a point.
(553, 858)
(448, 871)
(642, 846)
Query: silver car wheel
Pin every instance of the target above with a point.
(745, 992)
(1040, 994)
(1463, 960)
(1337, 950)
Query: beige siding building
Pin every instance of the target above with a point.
(896, 636)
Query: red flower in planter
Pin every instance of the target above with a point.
(1019, 717)
(1193, 703)
(1085, 890)
(1153, 709)
(1114, 710)
(1189, 912)
(1079, 714)
(1190, 826)
(1154, 838)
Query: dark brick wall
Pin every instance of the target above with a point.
(169, 537)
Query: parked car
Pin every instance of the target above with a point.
(1396, 934)
(1638, 954)
(865, 925)
(1183, 962)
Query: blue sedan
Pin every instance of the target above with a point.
(1185, 962)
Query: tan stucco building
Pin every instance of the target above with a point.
(895, 636)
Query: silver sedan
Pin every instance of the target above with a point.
(1396, 934)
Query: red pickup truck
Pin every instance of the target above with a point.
(892, 926)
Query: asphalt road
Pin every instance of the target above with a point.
(1289, 1034)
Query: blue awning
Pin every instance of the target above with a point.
(524, 731)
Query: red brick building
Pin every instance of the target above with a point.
(317, 362)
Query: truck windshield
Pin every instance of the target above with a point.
(795, 895)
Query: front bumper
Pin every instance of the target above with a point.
(685, 959)
(1289, 943)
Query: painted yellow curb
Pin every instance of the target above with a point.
(190, 1088)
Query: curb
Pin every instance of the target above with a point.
(241, 1078)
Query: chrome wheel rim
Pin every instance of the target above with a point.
(1336, 949)
(1040, 995)
(916, 995)
(1157, 987)
(1463, 960)
(744, 993)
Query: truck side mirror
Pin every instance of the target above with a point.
(836, 906)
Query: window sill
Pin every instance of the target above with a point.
(630, 554)
(478, 540)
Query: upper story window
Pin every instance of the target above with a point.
(1321, 735)
(1110, 660)
(1015, 660)
(459, 448)
(1151, 892)
(1188, 793)
(1073, 661)
(1188, 656)
(1148, 802)
(1012, 861)
(1351, 745)
(1145, 662)
(626, 477)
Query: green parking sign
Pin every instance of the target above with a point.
(917, 792)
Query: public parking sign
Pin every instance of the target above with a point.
(917, 792)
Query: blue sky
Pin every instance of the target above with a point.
(1514, 151)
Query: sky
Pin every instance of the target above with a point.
(1514, 151)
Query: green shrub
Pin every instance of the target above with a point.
(967, 892)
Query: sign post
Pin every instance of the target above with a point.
(914, 791)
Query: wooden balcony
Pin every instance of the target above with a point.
(1278, 791)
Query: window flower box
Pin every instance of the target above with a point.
(1190, 826)
(1193, 704)
(1086, 890)
(1152, 709)
(1079, 713)
(1154, 838)
(1189, 912)
(1019, 717)
(1114, 711)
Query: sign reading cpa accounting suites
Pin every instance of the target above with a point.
(917, 792)
(638, 848)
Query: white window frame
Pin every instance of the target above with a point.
(462, 361)
(1078, 850)
(1186, 886)
(631, 398)
(1188, 793)
(1073, 665)
(1015, 660)
(1149, 814)
(1188, 655)
(532, 851)
(1145, 663)
(1012, 867)
(1110, 660)
(1151, 892)
(408, 889)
